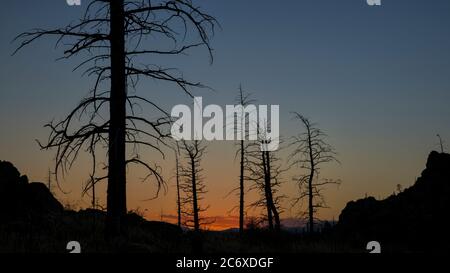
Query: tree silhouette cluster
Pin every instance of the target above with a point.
(264, 171)
(118, 41)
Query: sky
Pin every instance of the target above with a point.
(375, 79)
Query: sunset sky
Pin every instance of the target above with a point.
(375, 79)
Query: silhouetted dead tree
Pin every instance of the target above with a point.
(244, 100)
(49, 181)
(177, 177)
(310, 152)
(115, 36)
(441, 143)
(264, 169)
(193, 185)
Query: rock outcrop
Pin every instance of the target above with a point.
(20, 199)
(414, 219)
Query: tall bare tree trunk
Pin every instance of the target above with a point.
(268, 192)
(194, 197)
(197, 240)
(310, 185)
(93, 196)
(276, 215)
(241, 192)
(49, 180)
(178, 189)
(116, 200)
(310, 202)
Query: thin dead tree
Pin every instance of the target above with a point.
(243, 100)
(193, 185)
(264, 169)
(116, 39)
(194, 189)
(441, 143)
(49, 181)
(94, 197)
(310, 152)
(177, 177)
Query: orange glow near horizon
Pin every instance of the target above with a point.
(221, 176)
(217, 223)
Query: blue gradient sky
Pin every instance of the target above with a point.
(376, 79)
